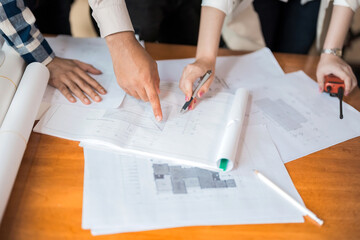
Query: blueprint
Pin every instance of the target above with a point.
(133, 129)
(300, 119)
(183, 180)
(151, 194)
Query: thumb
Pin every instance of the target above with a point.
(320, 79)
(186, 85)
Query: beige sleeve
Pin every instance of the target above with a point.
(111, 16)
(227, 6)
(353, 4)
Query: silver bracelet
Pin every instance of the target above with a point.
(333, 51)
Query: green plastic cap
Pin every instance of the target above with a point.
(223, 164)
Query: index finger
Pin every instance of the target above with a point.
(154, 101)
(205, 88)
(346, 78)
(352, 82)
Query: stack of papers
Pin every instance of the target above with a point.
(300, 119)
(128, 185)
(193, 138)
(132, 129)
(128, 193)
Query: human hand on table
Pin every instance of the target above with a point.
(71, 78)
(191, 73)
(331, 64)
(136, 72)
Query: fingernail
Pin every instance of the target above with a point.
(97, 98)
(186, 98)
(72, 99)
(194, 100)
(86, 100)
(158, 118)
(103, 91)
(201, 94)
(190, 107)
(320, 89)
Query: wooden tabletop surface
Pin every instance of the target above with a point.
(46, 200)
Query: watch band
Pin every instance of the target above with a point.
(333, 51)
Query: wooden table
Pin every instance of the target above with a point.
(46, 200)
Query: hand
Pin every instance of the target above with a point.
(71, 78)
(330, 64)
(136, 72)
(191, 73)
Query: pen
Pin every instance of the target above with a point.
(202, 82)
(282, 193)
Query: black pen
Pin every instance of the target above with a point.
(202, 82)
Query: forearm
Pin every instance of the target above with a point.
(122, 44)
(120, 39)
(209, 34)
(332, 63)
(136, 72)
(339, 26)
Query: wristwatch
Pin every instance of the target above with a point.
(333, 51)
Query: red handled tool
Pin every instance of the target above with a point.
(335, 86)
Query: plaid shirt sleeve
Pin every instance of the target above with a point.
(17, 26)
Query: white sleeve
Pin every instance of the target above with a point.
(353, 4)
(227, 6)
(111, 16)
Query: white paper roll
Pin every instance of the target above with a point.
(230, 140)
(17, 125)
(11, 71)
(2, 57)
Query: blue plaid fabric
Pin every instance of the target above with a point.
(17, 26)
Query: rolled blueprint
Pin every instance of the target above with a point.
(2, 57)
(11, 71)
(17, 125)
(230, 140)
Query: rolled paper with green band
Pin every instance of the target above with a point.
(223, 164)
(230, 141)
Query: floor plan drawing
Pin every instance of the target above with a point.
(181, 180)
